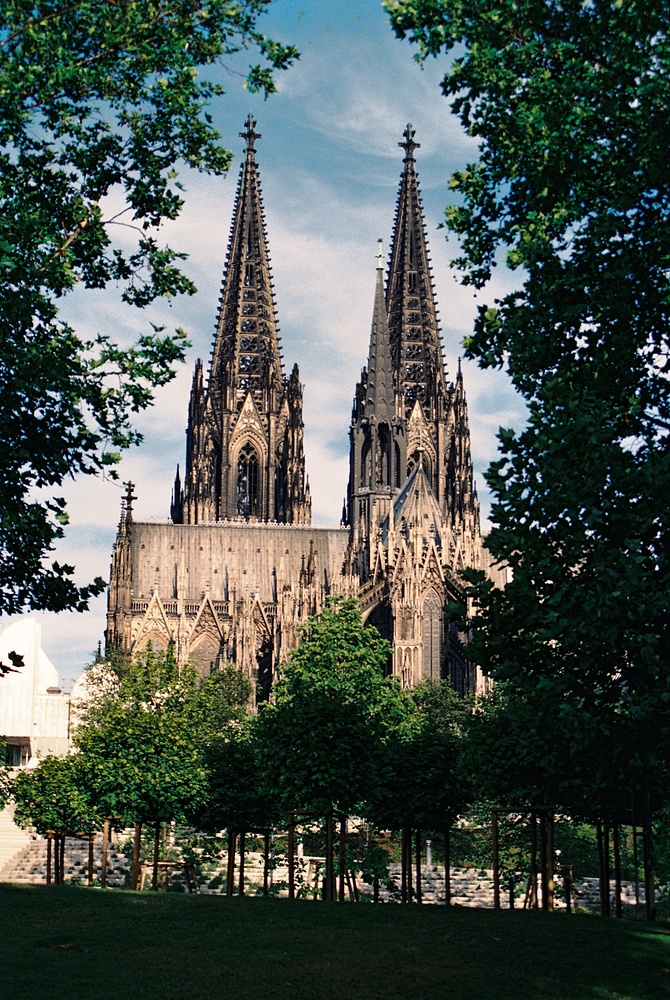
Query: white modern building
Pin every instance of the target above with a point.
(34, 711)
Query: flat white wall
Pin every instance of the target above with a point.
(27, 711)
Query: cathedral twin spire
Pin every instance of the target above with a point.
(245, 457)
(404, 406)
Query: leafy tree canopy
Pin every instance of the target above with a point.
(54, 796)
(238, 796)
(100, 102)
(572, 188)
(143, 738)
(421, 782)
(330, 711)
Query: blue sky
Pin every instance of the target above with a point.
(330, 165)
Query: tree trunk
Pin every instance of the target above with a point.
(616, 840)
(50, 841)
(403, 866)
(648, 846)
(410, 887)
(447, 866)
(330, 873)
(164, 872)
(91, 841)
(496, 860)
(418, 867)
(342, 860)
(533, 861)
(266, 860)
(105, 848)
(544, 861)
(606, 865)
(242, 849)
(230, 872)
(601, 867)
(291, 855)
(137, 849)
(636, 864)
(550, 862)
(157, 846)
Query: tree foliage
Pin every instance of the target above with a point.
(238, 796)
(331, 709)
(572, 189)
(54, 796)
(143, 740)
(100, 105)
(422, 782)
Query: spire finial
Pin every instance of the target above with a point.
(409, 145)
(129, 498)
(380, 255)
(250, 134)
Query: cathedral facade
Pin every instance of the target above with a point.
(238, 569)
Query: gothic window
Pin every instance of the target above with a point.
(432, 636)
(249, 364)
(366, 469)
(383, 456)
(248, 324)
(397, 466)
(249, 275)
(247, 482)
(414, 373)
(205, 656)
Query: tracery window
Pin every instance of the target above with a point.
(432, 636)
(247, 482)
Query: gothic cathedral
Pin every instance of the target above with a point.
(238, 569)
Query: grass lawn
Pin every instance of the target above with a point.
(62, 942)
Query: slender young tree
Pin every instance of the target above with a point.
(331, 710)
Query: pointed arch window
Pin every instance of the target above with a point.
(383, 455)
(247, 482)
(366, 464)
(433, 628)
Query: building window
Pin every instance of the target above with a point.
(247, 482)
(432, 636)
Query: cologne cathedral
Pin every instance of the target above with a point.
(238, 569)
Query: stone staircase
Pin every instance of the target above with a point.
(25, 858)
(13, 840)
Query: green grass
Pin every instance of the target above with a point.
(176, 947)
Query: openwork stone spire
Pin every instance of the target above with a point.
(246, 356)
(412, 313)
(378, 435)
(244, 452)
(380, 388)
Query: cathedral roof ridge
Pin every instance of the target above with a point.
(241, 523)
